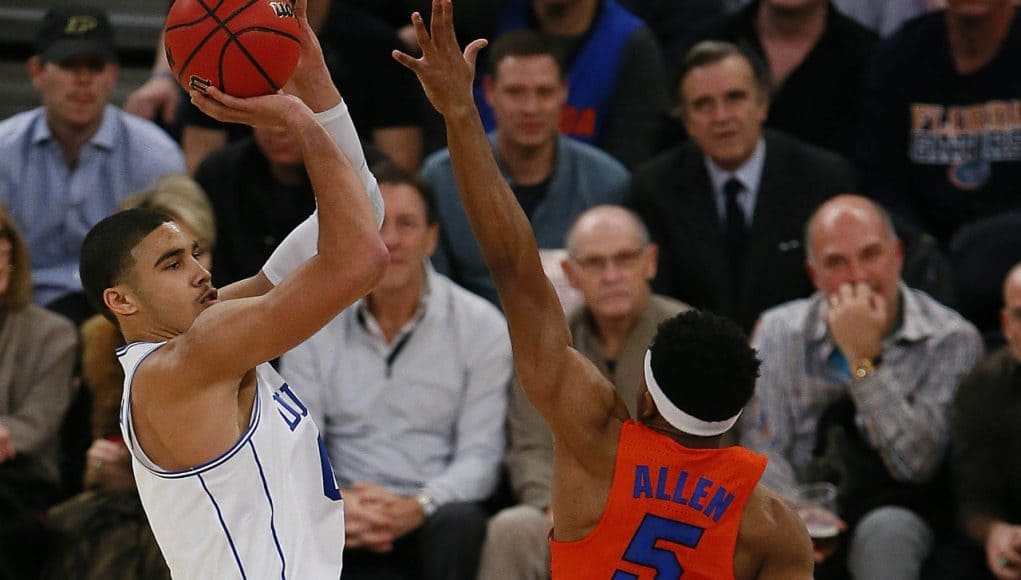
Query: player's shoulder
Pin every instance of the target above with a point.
(772, 531)
(766, 514)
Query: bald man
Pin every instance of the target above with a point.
(611, 262)
(986, 429)
(855, 388)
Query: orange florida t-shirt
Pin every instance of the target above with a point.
(673, 513)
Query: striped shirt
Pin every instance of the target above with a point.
(902, 409)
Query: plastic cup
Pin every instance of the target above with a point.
(817, 505)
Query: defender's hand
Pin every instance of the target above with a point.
(445, 72)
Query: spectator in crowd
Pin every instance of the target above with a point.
(673, 22)
(611, 262)
(855, 388)
(727, 208)
(103, 532)
(37, 353)
(554, 177)
(817, 59)
(409, 388)
(884, 17)
(385, 104)
(66, 165)
(395, 14)
(986, 435)
(616, 90)
(941, 127)
(260, 191)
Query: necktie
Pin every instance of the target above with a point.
(737, 231)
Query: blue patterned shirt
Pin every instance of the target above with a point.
(55, 206)
(902, 409)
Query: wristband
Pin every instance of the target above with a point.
(163, 74)
(303, 243)
(337, 122)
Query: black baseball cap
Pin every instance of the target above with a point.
(67, 31)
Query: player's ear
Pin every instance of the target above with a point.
(646, 406)
(120, 301)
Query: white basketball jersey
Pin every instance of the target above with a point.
(269, 507)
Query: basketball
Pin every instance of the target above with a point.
(244, 48)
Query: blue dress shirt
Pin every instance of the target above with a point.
(54, 205)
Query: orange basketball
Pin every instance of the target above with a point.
(242, 47)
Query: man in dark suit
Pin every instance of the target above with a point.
(728, 207)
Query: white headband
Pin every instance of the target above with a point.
(679, 418)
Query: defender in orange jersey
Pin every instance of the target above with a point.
(654, 499)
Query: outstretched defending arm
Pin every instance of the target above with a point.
(541, 340)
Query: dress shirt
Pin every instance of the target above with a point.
(749, 174)
(423, 413)
(902, 409)
(55, 206)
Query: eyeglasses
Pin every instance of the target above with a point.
(623, 260)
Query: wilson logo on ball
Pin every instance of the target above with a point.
(282, 9)
(242, 47)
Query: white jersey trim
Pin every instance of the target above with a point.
(151, 465)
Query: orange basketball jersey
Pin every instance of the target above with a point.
(673, 512)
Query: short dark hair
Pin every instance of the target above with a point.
(710, 52)
(704, 365)
(106, 251)
(524, 42)
(390, 172)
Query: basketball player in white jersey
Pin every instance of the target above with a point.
(230, 468)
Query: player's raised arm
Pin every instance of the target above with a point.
(540, 337)
(350, 258)
(313, 84)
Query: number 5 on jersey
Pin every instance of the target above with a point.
(642, 549)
